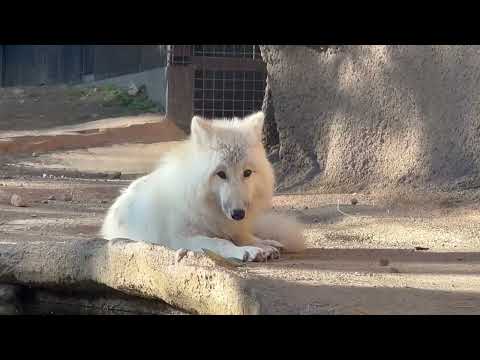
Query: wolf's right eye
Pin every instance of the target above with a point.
(222, 174)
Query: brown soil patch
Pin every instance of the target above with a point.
(343, 270)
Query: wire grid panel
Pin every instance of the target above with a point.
(179, 54)
(238, 51)
(219, 94)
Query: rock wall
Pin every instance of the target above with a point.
(357, 116)
(270, 132)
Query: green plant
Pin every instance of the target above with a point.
(114, 96)
(111, 95)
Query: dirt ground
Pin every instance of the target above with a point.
(392, 252)
(42, 107)
(360, 259)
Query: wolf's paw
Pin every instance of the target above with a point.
(263, 253)
(273, 243)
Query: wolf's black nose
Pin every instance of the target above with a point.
(238, 214)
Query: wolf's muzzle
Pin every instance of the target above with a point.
(238, 214)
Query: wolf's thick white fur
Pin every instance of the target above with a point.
(185, 203)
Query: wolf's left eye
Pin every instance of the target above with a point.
(247, 173)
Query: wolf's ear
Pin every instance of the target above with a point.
(200, 129)
(255, 122)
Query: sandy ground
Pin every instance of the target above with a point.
(126, 158)
(360, 259)
(391, 253)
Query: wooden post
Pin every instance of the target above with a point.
(179, 95)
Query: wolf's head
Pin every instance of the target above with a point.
(240, 177)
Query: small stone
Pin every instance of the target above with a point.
(132, 90)
(180, 254)
(384, 262)
(394, 270)
(33, 215)
(354, 201)
(45, 201)
(51, 197)
(34, 154)
(44, 176)
(104, 201)
(17, 200)
(67, 197)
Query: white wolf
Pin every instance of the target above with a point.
(212, 191)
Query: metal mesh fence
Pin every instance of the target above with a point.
(227, 93)
(239, 51)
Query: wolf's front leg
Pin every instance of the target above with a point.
(227, 249)
(270, 247)
(273, 243)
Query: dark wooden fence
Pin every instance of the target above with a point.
(24, 65)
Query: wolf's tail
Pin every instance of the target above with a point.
(282, 228)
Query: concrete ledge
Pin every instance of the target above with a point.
(194, 284)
